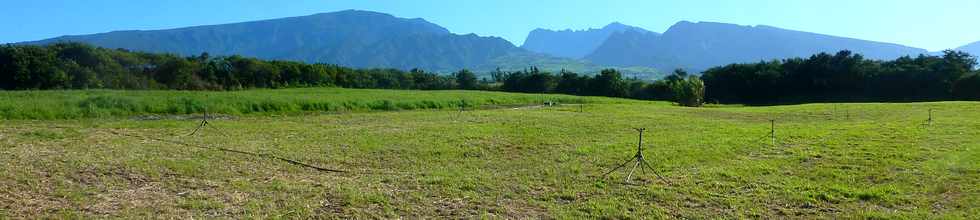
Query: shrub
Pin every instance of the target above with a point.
(689, 92)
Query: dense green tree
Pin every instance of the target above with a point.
(658, 90)
(497, 75)
(430, 81)
(609, 82)
(530, 81)
(688, 91)
(678, 75)
(571, 83)
(178, 73)
(968, 87)
(840, 77)
(466, 79)
(955, 65)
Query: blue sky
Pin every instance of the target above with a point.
(929, 24)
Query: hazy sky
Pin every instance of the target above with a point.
(929, 24)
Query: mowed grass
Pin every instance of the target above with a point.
(829, 161)
(114, 103)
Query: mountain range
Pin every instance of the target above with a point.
(350, 38)
(702, 45)
(366, 39)
(571, 43)
(973, 48)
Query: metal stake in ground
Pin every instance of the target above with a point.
(459, 114)
(772, 131)
(640, 162)
(833, 115)
(204, 123)
(930, 117)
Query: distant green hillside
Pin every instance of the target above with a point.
(519, 61)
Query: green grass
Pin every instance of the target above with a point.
(109, 103)
(830, 161)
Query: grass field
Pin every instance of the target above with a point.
(829, 160)
(109, 103)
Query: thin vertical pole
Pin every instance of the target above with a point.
(930, 116)
(772, 131)
(639, 144)
(639, 155)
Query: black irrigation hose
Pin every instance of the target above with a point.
(294, 162)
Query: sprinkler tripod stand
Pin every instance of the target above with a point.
(204, 123)
(640, 162)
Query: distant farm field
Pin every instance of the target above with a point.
(111, 103)
(93, 154)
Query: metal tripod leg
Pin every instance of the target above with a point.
(199, 127)
(617, 167)
(657, 173)
(630, 175)
(643, 170)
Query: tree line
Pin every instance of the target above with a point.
(680, 87)
(81, 66)
(822, 77)
(846, 76)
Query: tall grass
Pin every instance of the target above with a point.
(114, 103)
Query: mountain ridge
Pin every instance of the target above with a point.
(352, 38)
(972, 48)
(367, 39)
(570, 43)
(702, 45)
